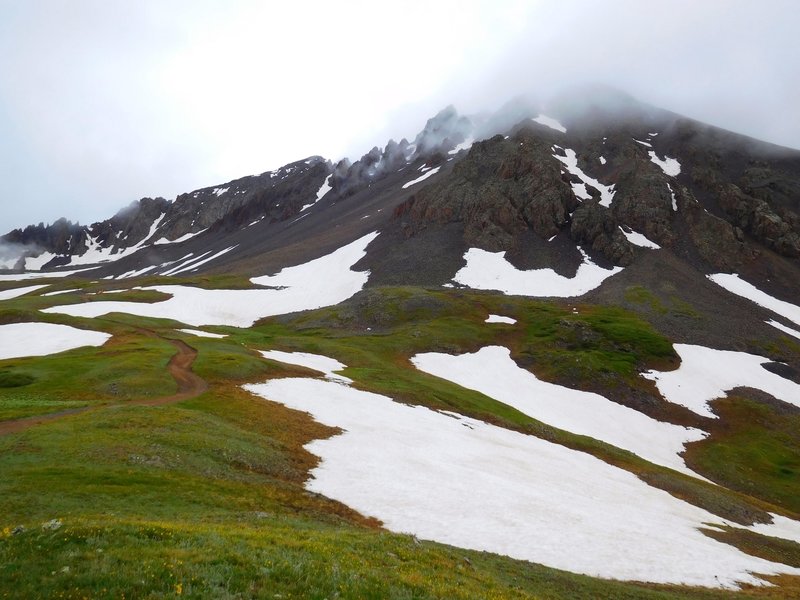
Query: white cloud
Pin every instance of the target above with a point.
(102, 102)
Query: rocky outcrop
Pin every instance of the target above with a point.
(500, 189)
(643, 199)
(131, 225)
(596, 227)
(60, 237)
(756, 217)
(443, 132)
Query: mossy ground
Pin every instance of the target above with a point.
(205, 498)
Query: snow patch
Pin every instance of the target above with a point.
(40, 339)
(549, 122)
(17, 292)
(321, 282)
(464, 482)
(315, 362)
(59, 292)
(740, 287)
(198, 263)
(40, 275)
(491, 271)
(183, 238)
(421, 178)
(638, 239)
(674, 199)
(465, 145)
(36, 263)
(201, 333)
(324, 189)
(133, 273)
(670, 166)
(781, 527)
(500, 319)
(492, 372)
(602, 160)
(570, 161)
(706, 374)
(775, 324)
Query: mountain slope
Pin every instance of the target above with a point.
(566, 335)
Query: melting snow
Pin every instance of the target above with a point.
(674, 199)
(315, 362)
(781, 527)
(200, 333)
(321, 282)
(570, 161)
(670, 166)
(648, 144)
(324, 189)
(184, 262)
(421, 178)
(464, 482)
(40, 275)
(133, 273)
(16, 292)
(36, 263)
(706, 374)
(500, 319)
(40, 339)
(550, 122)
(193, 266)
(219, 191)
(740, 287)
(59, 292)
(465, 145)
(98, 254)
(638, 239)
(491, 271)
(492, 372)
(602, 160)
(183, 238)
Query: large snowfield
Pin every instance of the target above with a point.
(492, 372)
(321, 282)
(464, 482)
(18, 340)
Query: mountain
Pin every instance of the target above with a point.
(614, 169)
(549, 351)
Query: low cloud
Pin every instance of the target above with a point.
(104, 102)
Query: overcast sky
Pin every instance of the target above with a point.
(106, 101)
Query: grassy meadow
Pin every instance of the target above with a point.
(205, 498)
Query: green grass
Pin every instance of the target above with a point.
(10, 379)
(754, 449)
(128, 367)
(206, 498)
(609, 349)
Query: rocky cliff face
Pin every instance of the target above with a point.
(713, 196)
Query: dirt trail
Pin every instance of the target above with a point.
(179, 366)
